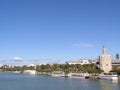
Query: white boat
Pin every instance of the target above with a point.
(108, 76)
(31, 72)
(17, 72)
(78, 75)
(58, 74)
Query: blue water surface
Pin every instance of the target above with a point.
(18, 81)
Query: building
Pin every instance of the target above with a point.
(80, 61)
(93, 61)
(105, 61)
(31, 65)
(116, 63)
(117, 56)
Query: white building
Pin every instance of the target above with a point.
(31, 65)
(80, 61)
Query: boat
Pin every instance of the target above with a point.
(30, 72)
(79, 75)
(108, 76)
(58, 74)
(17, 72)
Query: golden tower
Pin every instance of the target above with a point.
(105, 61)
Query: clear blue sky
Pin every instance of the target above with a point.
(41, 31)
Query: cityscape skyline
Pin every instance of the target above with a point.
(43, 31)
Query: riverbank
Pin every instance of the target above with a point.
(119, 78)
(92, 76)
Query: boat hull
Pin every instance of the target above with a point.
(30, 72)
(58, 74)
(78, 75)
(108, 77)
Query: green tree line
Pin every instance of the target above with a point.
(90, 68)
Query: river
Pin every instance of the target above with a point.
(18, 81)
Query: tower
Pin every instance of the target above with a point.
(105, 61)
(117, 56)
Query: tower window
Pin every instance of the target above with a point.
(106, 64)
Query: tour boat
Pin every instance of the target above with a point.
(31, 72)
(108, 76)
(79, 75)
(58, 74)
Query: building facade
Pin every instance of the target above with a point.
(80, 61)
(105, 61)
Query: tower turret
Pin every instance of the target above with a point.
(104, 50)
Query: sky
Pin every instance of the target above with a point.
(45, 31)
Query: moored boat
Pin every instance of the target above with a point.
(58, 74)
(31, 72)
(79, 75)
(17, 72)
(108, 76)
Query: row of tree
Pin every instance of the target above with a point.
(116, 69)
(90, 68)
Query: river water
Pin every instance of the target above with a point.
(13, 81)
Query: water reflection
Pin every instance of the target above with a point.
(109, 85)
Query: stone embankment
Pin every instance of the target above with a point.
(119, 78)
(92, 76)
